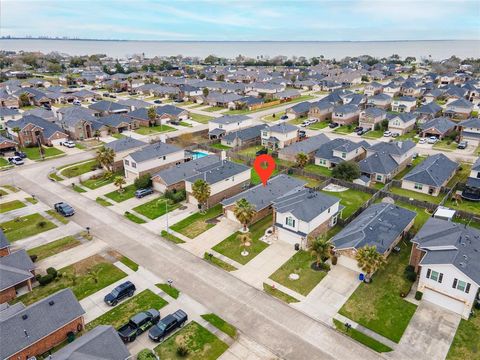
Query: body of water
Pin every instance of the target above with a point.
(437, 50)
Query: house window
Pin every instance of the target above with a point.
(379, 177)
(265, 134)
(434, 275)
(461, 285)
(134, 165)
(220, 126)
(289, 221)
(418, 186)
(164, 157)
(127, 162)
(344, 155)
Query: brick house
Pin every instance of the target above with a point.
(33, 128)
(345, 114)
(320, 110)
(17, 271)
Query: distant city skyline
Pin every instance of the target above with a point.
(321, 20)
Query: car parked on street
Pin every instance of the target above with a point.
(16, 160)
(167, 325)
(122, 291)
(64, 209)
(140, 193)
(138, 324)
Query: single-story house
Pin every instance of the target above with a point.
(287, 94)
(345, 114)
(308, 146)
(8, 114)
(226, 100)
(401, 123)
(404, 104)
(134, 104)
(339, 150)
(34, 129)
(16, 272)
(470, 129)
(171, 113)
(7, 145)
(300, 110)
(244, 136)
(371, 116)
(279, 136)
(104, 107)
(439, 127)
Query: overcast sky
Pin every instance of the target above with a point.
(243, 20)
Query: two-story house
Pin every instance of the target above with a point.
(370, 117)
(220, 126)
(33, 130)
(381, 101)
(471, 192)
(459, 109)
(470, 129)
(320, 110)
(279, 136)
(404, 104)
(345, 114)
(401, 123)
(428, 112)
(339, 150)
(373, 88)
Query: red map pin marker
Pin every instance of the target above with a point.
(264, 166)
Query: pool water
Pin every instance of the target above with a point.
(198, 154)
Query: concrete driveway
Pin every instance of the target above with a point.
(429, 334)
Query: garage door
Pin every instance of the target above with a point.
(444, 301)
(157, 186)
(230, 215)
(57, 142)
(349, 263)
(288, 236)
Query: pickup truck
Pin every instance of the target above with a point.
(167, 325)
(138, 324)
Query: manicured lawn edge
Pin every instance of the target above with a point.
(279, 294)
(218, 262)
(57, 216)
(170, 290)
(362, 338)
(171, 237)
(130, 263)
(11, 205)
(54, 247)
(221, 324)
(103, 202)
(134, 218)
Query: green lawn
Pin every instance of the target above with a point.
(171, 237)
(54, 247)
(378, 305)
(466, 343)
(319, 125)
(201, 344)
(420, 219)
(416, 195)
(128, 262)
(11, 188)
(310, 182)
(344, 129)
(361, 337)
(408, 136)
(121, 313)
(170, 290)
(232, 248)
(144, 130)
(34, 153)
(31, 200)
(443, 145)
(255, 179)
(299, 264)
(26, 226)
(11, 205)
(134, 218)
(465, 205)
(373, 134)
(4, 162)
(95, 183)
(78, 189)
(279, 294)
(79, 169)
(203, 119)
(156, 207)
(218, 262)
(103, 202)
(196, 224)
(319, 170)
(84, 285)
(127, 193)
(351, 199)
(213, 108)
(219, 146)
(118, 136)
(55, 177)
(221, 324)
(415, 162)
(250, 151)
(461, 175)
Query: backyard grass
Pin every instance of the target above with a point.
(319, 170)
(416, 195)
(128, 262)
(145, 130)
(310, 182)
(171, 237)
(420, 219)
(461, 175)
(31, 200)
(54, 247)
(250, 151)
(299, 264)
(103, 202)
(127, 193)
(466, 343)
(197, 223)
(201, 344)
(232, 248)
(77, 170)
(218, 262)
(26, 226)
(121, 313)
(156, 207)
(255, 179)
(34, 153)
(221, 324)
(11, 205)
(220, 146)
(57, 216)
(84, 285)
(351, 199)
(464, 205)
(378, 305)
(279, 294)
(203, 119)
(134, 218)
(361, 337)
(170, 290)
(415, 162)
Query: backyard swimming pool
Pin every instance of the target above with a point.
(198, 154)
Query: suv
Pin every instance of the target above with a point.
(140, 193)
(387, 133)
(332, 125)
(20, 154)
(64, 209)
(127, 289)
(462, 145)
(167, 325)
(69, 144)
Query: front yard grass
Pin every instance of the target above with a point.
(11, 205)
(203, 119)
(128, 192)
(361, 337)
(378, 305)
(299, 264)
(77, 170)
(171, 237)
(218, 262)
(373, 134)
(319, 170)
(57, 216)
(4, 162)
(466, 343)
(90, 275)
(319, 125)
(232, 248)
(445, 146)
(121, 313)
(129, 263)
(103, 202)
(95, 183)
(11, 188)
(416, 195)
(134, 218)
(279, 294)
(33, 153)
(78, 189)
(145, 130)
(351, 199)
(214, 108)
(54, 247)
(31, 200)
(26, 226)
(201, 344)
(156, 207)
(170, 290)
(221, 324)
(344, 129)
(197, 223)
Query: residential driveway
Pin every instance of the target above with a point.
(330, 294)
(429, 334)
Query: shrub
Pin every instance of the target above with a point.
(176, 196)
(45, 280)
(146, 354)
(37, 277)
(52, 271)
(42, 224)
(418, 295)
(182, 351)
(33, 257)
(477, 305)
(409, 268)
(411, 276)
(143, 182)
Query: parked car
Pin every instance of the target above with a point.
(122, 291)
(422, 141)
(432, 140)
(262, 151)
(302, 134)
(64, 209)
(69, 144)
(358, 128)
(47, 106)
(462, 145)
(17, 160)
(284, 117)
(138, 324)
(106, 94)
(20, 154)
(140, 193)
(395, 134)
(157, 101)
(76, 102)
(113, 96)
(333, 125)
(387, 133)
(305, 123)
(167, 325)
(178, 100)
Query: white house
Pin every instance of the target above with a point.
(404, 104)
(218, 127)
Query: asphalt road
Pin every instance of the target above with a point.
(287, 332)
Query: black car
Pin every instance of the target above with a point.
(167, 325)
(358, 128)
(261, 152)
(138, 324)
(140, 193)
(126, 289)
(333, 125)
(20, 154)
(157, 101)
(178, 100)
(64, 209)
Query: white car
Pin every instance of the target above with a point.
(69, 144)
(17, 160)
(387, 133)
(432, 140)
(305, 123)
(422, 141)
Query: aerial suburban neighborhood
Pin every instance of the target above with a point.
(135, 223)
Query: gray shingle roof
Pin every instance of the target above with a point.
(306, 146)
(106, 106)
(325, 151)
(245, 134)
(302, 107)
(471, 123)
(155, 150)
(431, 108)
(41, 320)
(4, 111)
(476, 165)
(48, 128)
(185, 170)
(3, 240)
(441, 124)
(379, 225)
(448, 242)
(378, 163)
(125, 143)
(282, 128)
(461, 103)
(433, 171)
(394, 148)
(169, 110)
(15, 268)
(403, 117)
(230, 119)
(218, 172)
(138, 104)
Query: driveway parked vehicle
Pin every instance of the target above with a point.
(432, 140)
(122, 291)
(157, 101)
(422, 141)
(69, 144)
(20, 154)
(462, 145)
(167, 325)
(64, 209)
(358, 128)
(140, 193)
(387, 133)
(333, 125)
(138, 324)
(284, 117)
(16, 160)
(395, 134)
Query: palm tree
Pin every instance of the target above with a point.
(369, 260)
(201, 191)
(119, 181)
(244, 212)
(106, 157)
(130, 80)
(301, 160)
(71, 277)
(94, 275)
(152, 115)
(320, 248)
(17, 130)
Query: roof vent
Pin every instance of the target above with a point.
(24, 317)
(26, 334)
(51, 302)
